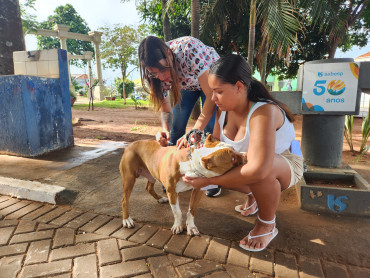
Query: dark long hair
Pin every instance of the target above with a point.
(151, 51)
(232, 68)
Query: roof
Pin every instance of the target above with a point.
(80, 76)
(363, 57)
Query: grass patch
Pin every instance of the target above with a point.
(118, 103)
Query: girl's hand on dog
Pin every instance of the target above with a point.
(182, 143)
(162, 138)
(197, 182)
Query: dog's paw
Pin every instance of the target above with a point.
(192, 231)
(176, 229)
(128, 223)
(163, 200)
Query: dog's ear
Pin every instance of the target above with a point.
(211, 142)
(209, 138)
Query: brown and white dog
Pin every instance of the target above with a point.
(167, 165)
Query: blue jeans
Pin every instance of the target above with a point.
(181, 116)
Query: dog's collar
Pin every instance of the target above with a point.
(193, 168)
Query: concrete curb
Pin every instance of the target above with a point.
(30, 190)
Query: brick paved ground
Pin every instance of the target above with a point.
(41, 240)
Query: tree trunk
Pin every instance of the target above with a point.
(11, 34)
(264, 65)
(195, 15)
(166, 23)
(333, 48)
(123, 85)
(252, 32)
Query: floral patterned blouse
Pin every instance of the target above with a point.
(193, 58)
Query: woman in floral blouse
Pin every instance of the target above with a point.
(180, 67)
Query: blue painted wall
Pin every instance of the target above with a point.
(35, 113)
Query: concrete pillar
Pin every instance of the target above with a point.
(322, 140)
(62, 35)
(88, 57)
(99, 89)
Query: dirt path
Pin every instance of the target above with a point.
(130, 125)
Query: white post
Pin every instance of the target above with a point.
(99, 89)
(62, 35)
(88, 57)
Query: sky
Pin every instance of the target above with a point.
(98, 13)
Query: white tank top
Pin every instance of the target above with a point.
(284, 135)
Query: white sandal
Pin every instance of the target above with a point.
(274, 233)
(239, 209)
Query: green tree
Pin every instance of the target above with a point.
(179, 16)
(66, 15)
(272, 28)
(340, 21)
(129, 86)
(29, 22)
(119, 48)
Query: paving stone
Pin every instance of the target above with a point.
(238, 256)
(5, 234)
(26, 226)
(52, 214)
(65, 218)
(126, 244)
(221, 274)
(15, 249)
(10, 266)
(126, 269)
(67, 275)
(43, 227)
(142, 235)
(63, 237)
(89, 237)
(177, 260)
(8, 203)
(140, 252)
(263, 262)
(108, 252)
(198, 268)
(334, 270)
(23, 211)
(238, 271)
(359, 272)
(197, 247)
(161, 267)
(42, 270)
(33, 236)
(72, 251)
(147, 275)
(110, 227)
(286, 265)
(95, 223)
(160, 238)
(218, 250)
(14, 207)
(85, 267)
(80, 220)
(38, 212)
(38, 252)
(310, 267)
(3, 198)
(177, 244)
(126, 233)
(8, 223)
